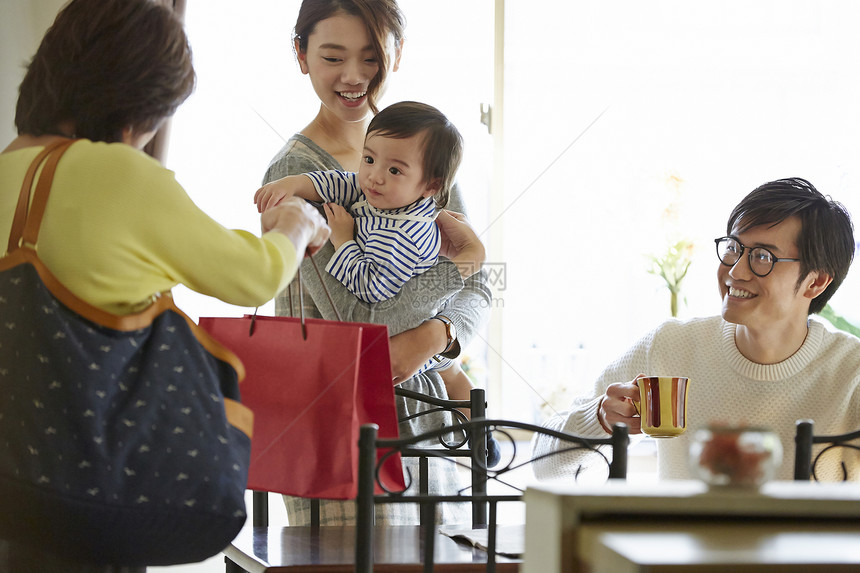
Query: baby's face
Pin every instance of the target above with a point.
(391, 174)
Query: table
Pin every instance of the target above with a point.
(749, 547)
(685, 526)
(332, 549)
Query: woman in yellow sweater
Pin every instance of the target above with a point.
(118, 229)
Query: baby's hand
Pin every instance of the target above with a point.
(271, 194)
(341, 222)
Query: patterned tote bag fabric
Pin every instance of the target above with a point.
(121, 437)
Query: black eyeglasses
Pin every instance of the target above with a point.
(730, 251)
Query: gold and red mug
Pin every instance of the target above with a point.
(663, 405)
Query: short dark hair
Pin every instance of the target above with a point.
(103, 66)
(826, 238)
(382, 17)
(442, 143)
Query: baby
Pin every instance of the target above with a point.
(411, 155)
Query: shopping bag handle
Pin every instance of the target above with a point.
(301, 301)
(302, 297)
(325, 289)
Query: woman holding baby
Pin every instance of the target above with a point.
(349, 49)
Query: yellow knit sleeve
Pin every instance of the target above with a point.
(119, 227)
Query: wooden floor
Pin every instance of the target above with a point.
(332, 548)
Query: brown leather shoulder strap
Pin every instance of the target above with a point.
(23, 205)
(40, 197)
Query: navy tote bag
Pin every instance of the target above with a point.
(122, 440)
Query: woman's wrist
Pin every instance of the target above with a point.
(452, 347)
(437, 336)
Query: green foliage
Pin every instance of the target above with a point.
(673, 267)
(838, 321)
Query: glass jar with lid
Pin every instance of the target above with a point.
(735, 455)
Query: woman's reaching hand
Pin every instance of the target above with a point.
(299, 221)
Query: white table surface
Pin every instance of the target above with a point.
(561, 517)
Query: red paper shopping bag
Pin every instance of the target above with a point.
(310, 394)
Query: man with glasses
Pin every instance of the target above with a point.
(763, 362)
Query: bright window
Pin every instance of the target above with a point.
(618, 116)
(691, 103)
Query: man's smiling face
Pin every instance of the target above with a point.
(764, 302)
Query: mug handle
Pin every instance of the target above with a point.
(635, 402)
